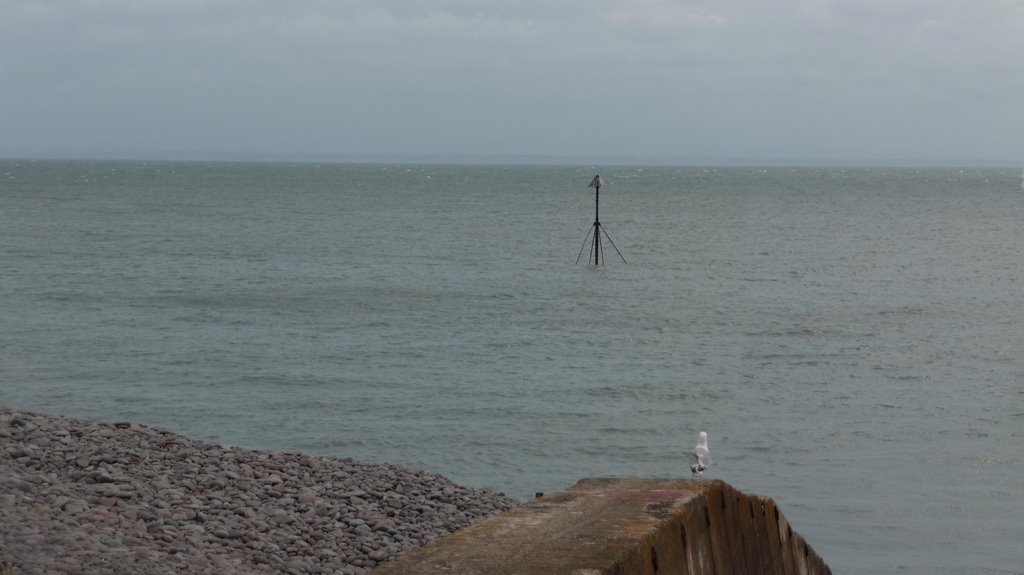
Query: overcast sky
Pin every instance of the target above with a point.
(847, 80)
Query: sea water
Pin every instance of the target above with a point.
(850, 339)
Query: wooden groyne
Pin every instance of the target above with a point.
(625, 527)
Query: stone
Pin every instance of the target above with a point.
(75, 506)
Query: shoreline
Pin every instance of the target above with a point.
(79, 496)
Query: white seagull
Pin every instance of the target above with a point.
(700, 457)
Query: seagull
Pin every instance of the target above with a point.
(700, 457)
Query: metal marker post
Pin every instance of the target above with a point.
(596, 249)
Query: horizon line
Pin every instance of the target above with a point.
(462, 158)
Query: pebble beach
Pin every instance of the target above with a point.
(94, 497)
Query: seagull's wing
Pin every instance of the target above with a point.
(701, 455)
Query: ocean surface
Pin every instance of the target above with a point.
(852, 340)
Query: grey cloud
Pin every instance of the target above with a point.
(854, 80)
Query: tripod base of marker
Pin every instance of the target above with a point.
(596, 245)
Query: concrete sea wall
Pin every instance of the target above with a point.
(625, 527)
